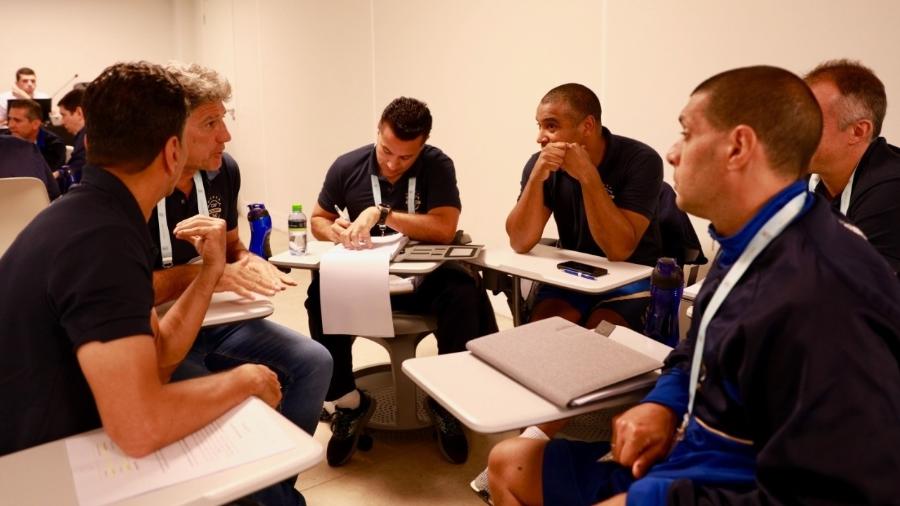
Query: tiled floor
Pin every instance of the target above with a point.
(402, 468)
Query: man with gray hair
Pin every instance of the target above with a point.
(854, 167)
(303, 366)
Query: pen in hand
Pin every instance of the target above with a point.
(342, 213)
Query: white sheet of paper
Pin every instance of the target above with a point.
(355, 290)
(103, 474)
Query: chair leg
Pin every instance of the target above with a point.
(404, 347)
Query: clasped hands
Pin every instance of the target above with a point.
(571, 157)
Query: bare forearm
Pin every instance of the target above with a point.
(179, 327)
(526, 221)
(170, 283)
(609, 227)
(423, 227)
(321, 229)
(178, 409)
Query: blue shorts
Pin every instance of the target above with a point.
(571, 474)
(631, 309)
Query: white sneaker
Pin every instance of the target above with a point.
(480, 486)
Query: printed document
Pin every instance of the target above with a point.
(103, 474)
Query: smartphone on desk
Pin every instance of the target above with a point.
(581, 270)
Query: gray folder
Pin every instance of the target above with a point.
(570, 365)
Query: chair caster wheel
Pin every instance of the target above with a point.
(365, 443)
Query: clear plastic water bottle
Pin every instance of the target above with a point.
(666, 285)
(297, 230)
(260, 229)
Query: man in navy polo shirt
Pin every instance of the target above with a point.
(81, 343)
(602, 190)
(399, 184)
(210, 184)
(854, 167)
(20, 158)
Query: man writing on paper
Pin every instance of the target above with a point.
(856, 169)
(81, 343)
(210, 184)
(399, 184)
(602, 190)
(781, 407)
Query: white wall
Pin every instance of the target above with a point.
(310, 78)
(59, 38)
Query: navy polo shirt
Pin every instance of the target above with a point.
(20, 158)
(632, 174)
(348, 183)
(222, 187)
(79, 272)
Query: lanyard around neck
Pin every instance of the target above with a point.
(410, 193)
(165, 242)
(763, 237)
(845, 195)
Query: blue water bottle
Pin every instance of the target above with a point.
(260, 229)
(666, 285)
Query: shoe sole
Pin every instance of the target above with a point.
(362, 426)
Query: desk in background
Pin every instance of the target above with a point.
(540, 263)
(315, 249)
(229, 307)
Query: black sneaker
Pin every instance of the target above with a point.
(451, 438)
(346, 427)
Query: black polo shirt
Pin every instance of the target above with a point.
(20, 158)
(632, 174)
(222, 187)
(79, 272)
(875, 199)
(348, 183)
(52, 148)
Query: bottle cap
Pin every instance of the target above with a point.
(667, 274)
(296, 208)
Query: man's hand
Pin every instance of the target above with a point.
(241, 278)
(19, 92)
(264, 383)
(577, 163)
(337, 228)
(549, 161)
(356, 236)
(207, 235)
(279, 280)
(642, 436)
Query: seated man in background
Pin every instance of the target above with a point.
(602, 190)
(209, 186)
(25, 87)
(81, 343)
(73, 121)
(398, 166)
(855, 168)
(779, 407)
(20, 158)
(25, 123)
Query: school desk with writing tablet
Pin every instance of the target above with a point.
(42, 475)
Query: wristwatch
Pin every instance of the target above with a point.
(383, 211)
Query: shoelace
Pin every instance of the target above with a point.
(343, 421)
(447, 423)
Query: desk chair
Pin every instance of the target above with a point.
(399, 407)
(21, 199)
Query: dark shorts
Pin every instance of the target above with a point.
(571, 474)
(632, 309)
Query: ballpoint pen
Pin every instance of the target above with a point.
(342, 213)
